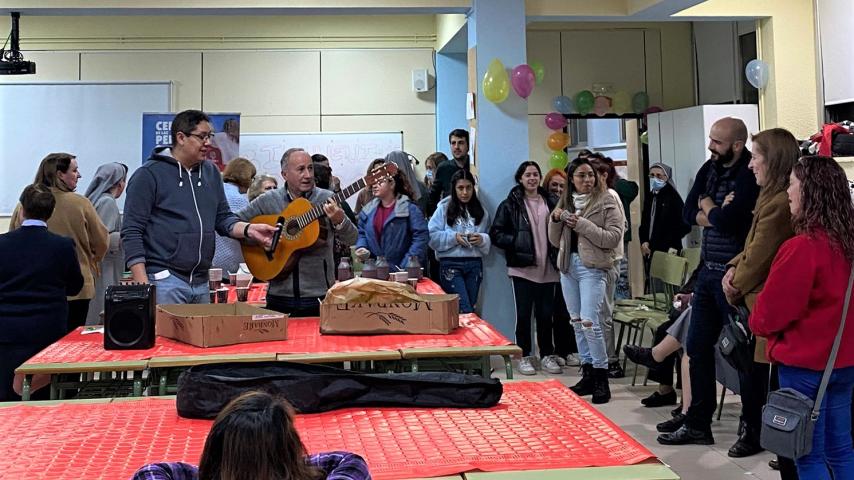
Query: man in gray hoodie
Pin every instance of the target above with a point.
(175, 202)
(300, 291)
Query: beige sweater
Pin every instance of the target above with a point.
(599, 229)
(75, 217)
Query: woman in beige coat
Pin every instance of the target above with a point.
(586, 227)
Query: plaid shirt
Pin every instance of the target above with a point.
(336, 466)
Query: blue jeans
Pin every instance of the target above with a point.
(831, 445)
(584, 291)
(462, 276)
(173, 290)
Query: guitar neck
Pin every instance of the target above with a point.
(317, 210)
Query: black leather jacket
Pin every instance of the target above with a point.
(511, 230)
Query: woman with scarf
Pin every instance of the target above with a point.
(76, 218)
(586, 227)
(103, 191)
(662, 227)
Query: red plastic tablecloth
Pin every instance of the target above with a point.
(537, 425)
(303, 337)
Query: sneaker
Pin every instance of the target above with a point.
(560, 360)
(615, 370)
(550, 364)
(526, 366)
(573, 360)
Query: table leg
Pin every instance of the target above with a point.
(508, 365)
(161, 382)
(137, 383)
(54, 387)
(485, 366)
(414, 365)
(25, 388)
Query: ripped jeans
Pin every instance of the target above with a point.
(462, 275)
(584, 292)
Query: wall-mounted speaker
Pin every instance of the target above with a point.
(419, 80)
(129, 317)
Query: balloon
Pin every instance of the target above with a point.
(644, 138)
(563, 104)
(558, 159)
(522, 78)
(539, 70)
(496, 82)
(621, 103)
(640, 102)
(584, 101)
(601, 105)
(757, 73)
(555, 121)
(558, 141)
(653, 109)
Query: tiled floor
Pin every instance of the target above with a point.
(691, 462)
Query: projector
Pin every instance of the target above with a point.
(21, 67)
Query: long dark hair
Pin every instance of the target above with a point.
(825, 202)
(50, 165)
(456, 208)
(520, 170)
(602, 164)
(254, 437)
(566, 199)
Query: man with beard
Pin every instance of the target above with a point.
(441, 187)
(721, 201)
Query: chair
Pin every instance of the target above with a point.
(692, 254)
(667, 272)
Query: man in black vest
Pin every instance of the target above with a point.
(721, 201)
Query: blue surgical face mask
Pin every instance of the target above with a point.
(656, 184)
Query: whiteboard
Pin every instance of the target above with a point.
(349, 153)
(96, 122)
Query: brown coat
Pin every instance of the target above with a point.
(772, 225)
(75, 217)
(600, 230)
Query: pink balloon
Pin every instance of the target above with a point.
(523, 80)
(601, 106)
(555, 121)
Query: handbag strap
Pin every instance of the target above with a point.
(825, 378)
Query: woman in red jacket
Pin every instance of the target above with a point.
(800, 307)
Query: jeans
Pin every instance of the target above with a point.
(539, 296)
(709, 309)
(462, 276)
(563, 335)
(584, 291)
(606, 315)
(173, 290)
(831, 448)
(295, 307)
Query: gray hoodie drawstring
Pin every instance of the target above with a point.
(180, 175)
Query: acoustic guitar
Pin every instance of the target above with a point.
(298, 229)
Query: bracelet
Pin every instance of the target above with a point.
(246, 230)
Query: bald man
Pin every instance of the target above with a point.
(725, 225)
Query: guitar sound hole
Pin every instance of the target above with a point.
(292, 228)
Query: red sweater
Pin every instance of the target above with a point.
(800, 307)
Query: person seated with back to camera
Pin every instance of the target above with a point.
(254, 437)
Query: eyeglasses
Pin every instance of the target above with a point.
(203, 137)
(582, 176)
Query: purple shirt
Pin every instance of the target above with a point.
(336, 466)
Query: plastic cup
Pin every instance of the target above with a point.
(222, 295)
(215, 274)
(232, 278)
(242, 294)
(213, 296)
(215, 284)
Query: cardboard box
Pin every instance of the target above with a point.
(214, 325)
(437, 314)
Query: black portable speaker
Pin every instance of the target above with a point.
(129, 317)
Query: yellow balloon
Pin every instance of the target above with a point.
(621, 103)
(496, 82)
(558, 141)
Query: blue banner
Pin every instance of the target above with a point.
(224, 146)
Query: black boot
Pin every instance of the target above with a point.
(747, 444)
(601, 390)
(585, 385)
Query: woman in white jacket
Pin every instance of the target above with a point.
(458, 234)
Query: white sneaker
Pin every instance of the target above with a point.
(550, 364)
(526, 366)
(560, 360)
(572, 360)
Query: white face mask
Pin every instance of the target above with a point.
(656, 184)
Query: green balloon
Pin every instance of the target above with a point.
(539, 70)
(584, 101)
(558, 159)
(640, 102)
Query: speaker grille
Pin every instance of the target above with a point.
(127, 325)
